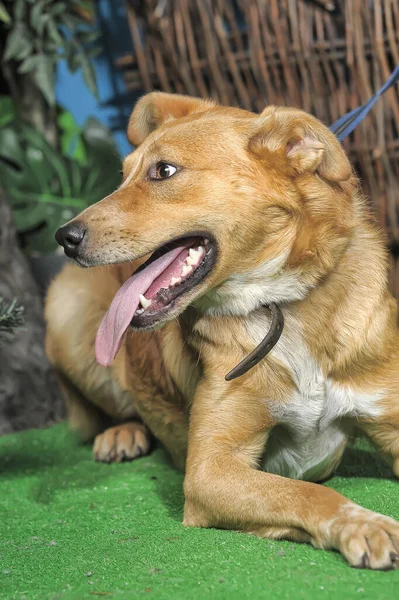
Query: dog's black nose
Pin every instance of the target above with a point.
(71, 236)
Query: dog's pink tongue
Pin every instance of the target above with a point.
(117, 319)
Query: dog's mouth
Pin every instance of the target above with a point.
(185, 272)
(156, 291)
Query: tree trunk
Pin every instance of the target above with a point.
(29, 395)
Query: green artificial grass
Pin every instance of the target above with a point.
(75, 529)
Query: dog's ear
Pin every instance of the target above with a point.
(156, 108)
(300, 143)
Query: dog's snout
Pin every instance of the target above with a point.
(71, 237)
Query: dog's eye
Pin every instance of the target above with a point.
(162, 171)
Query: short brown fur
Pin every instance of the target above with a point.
(278, 194)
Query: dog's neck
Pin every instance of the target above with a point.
(350, 317)
(243, 293)
(338, 313)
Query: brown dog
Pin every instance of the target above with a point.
(261, 209)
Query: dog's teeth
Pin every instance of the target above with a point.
(175, 280)
(195, 256)
(186, 270)
(139, 311)
(194, 253)
(145, 302)
(207, 243)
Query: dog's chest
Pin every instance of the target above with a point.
(311, 431)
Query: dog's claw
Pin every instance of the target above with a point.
(365, 561)
(395, 559)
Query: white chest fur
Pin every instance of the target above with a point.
(311, 431)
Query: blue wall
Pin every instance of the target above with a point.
(115, 104)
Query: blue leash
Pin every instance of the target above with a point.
(346, 124)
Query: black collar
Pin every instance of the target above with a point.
(271, 339)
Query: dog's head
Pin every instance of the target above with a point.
(236, 209)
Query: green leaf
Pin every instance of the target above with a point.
(54, 33)
(4, 16)
(35, 139)
(29, 64)
(38, 183)
(71, 138)
(39, 219)
(93, 52)
(16, 171)
(99, 136)
(19, 9)
(73, 59)
(76, 175)
(18, 44)
(11, 316)
(103, 161)
(35, 15)
(44, 77)
(89, 36)
(44, 19)
(27, 214)
(89, 74)
(45, 188)
(53, 50)
(7, 111)
(57, 8)
(71, 21)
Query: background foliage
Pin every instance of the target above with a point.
(39, 34)
(47, 188)
(50, 167)
(11, 316)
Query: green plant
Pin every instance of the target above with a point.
(38, 34)
(11, 316)
(47, 188)
(51, 168)
(4, 16)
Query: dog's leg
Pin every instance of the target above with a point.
(167, 422)
(95, 397)
(113, 444)
(75, 305)
(383, 431)
(83, 417)
(126, 441)
(223, 488)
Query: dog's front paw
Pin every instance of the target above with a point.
(367, 539)
(124, 442)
